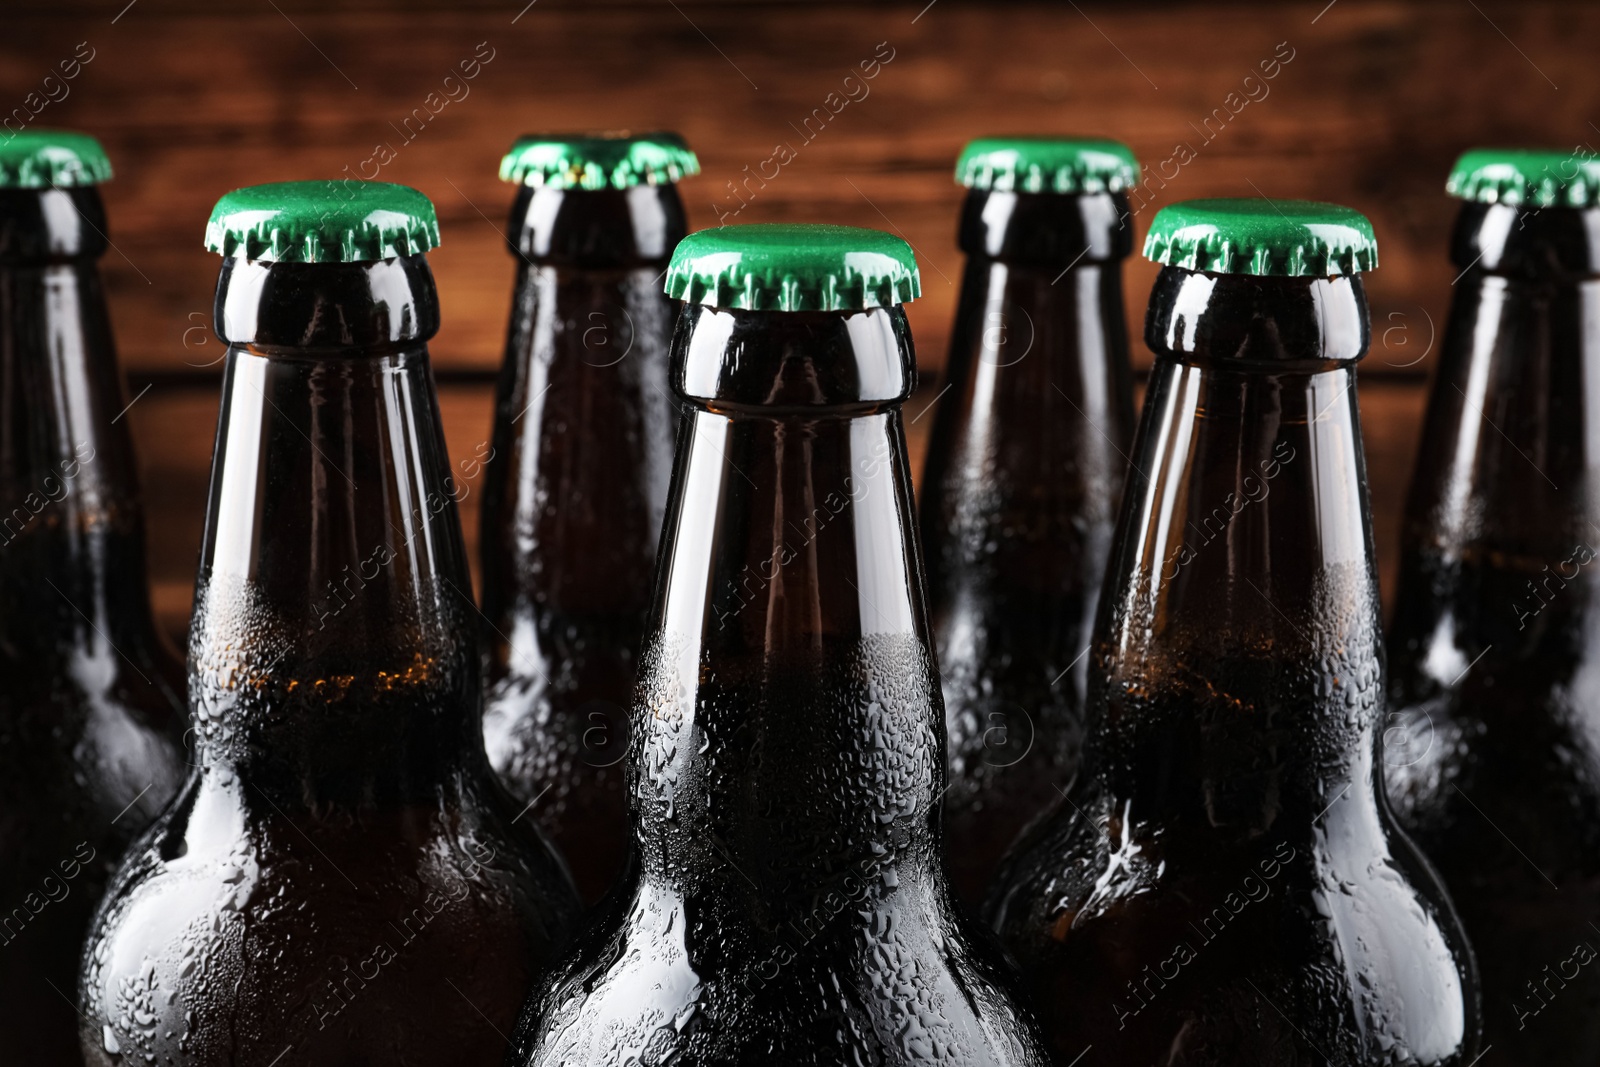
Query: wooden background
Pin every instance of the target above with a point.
(194, 98)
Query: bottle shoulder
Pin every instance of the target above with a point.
(1454, 756)
(1497, 636)
(228, 913)
(1148, 935)
(221, 823)
(891, 963)
(88, 753)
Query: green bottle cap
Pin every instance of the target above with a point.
(1538, 177)
(335, 221)
(598, 161)
(51, 159)
(1047, 165)
(1285, 238)
(793, 267)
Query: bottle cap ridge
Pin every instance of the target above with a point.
(1536, 177)
(1047, 165)
(598, 160)
(1276, 238)
(333, 221)
(793, 267)
(52, 159)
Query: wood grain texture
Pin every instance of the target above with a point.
(193, 99)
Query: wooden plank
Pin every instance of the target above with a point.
(1379, 97)
(174, 427)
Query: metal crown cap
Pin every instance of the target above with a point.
(1285, 238)
(599, 160)
(1535, 177)
(335, 221)
(793, 267)
(52, 159)
(1047, 165)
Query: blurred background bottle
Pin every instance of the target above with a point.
(786, 899)
(1024, 465)
(91, 697)
(576, 479)
(1494, 647)
(1227, 886)
(341, 878)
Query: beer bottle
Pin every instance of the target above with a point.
(785, 898)
(1024, 465)
(341, 879)
(1228, 885)
(1495, 638)
(91, 697)
(576, 478)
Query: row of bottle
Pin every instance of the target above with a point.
(339, 855)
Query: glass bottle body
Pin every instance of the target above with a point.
(1018, 504)
(1226, 884)
(341, 839)
(1495, 699)
(575, 487)
(785, 898)
(91, 697)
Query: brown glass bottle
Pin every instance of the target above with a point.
(1226, 884)
(341, 879)
(91, 698)
(1018, 502)
(574, 490)
(1495, 641)
(785, 900)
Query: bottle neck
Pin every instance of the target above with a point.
(787, 670)
(1030, 439)
(1551, 246)
(1238, 655)
(332, 657)
(45, 226)
(1048, 231)
(69, 495)
(1502, 524)
(1027, 326)
(576, 475)
(597, 229)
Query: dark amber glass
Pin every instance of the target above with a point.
(786, 899)
(1019, 500)
(1227, 885)
(1495, 640)
(91, 698)
(341, 880)
(574, 491)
